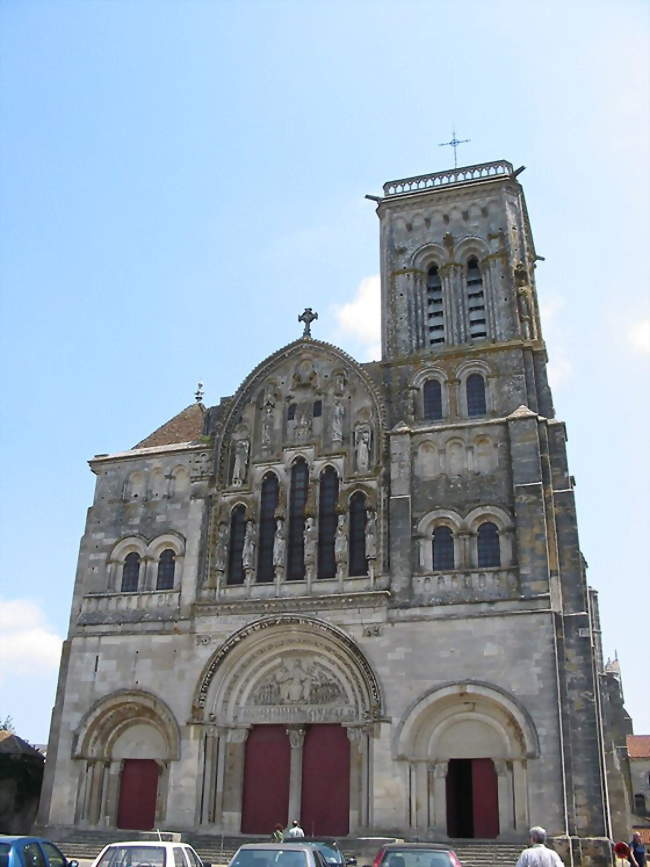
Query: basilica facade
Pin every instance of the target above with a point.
(351, 594)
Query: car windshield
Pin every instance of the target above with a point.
(133, 856)
(269, 858)
(416, 858)
(329, 853)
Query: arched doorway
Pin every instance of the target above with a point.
(468, 746)
(289, 704)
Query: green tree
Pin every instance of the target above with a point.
(7, 723)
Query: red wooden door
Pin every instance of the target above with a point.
(485, 798)
(266, 780)
(138, 790)
(325, 805)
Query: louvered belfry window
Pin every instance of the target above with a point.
(477, 324)
(475, 390)
(268, 505)
(237, 532)
(435, 311)
(488, 548)
(131, 573)
(166, 569)
(297, 503)
(443, 548)
(357, 537)
(327, 518)
(432, 399)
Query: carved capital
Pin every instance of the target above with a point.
(296, 737)
(237, 736)
(440, 769)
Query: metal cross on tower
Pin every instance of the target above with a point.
(307, 317)
(454, 144)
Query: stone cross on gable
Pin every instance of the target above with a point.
(307, 317)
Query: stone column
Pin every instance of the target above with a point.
(296, 740)
(400, 512)
(440, 798)
(234, 779)
(358, 778)
(421, 796)
(505, 795)
(147, 577)
(520, 794)
(112, 796)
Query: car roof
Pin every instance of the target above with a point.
(391, 847)
(286, 845)
(145, 843)
(11, 838)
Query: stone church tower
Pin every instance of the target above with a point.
(351, 593)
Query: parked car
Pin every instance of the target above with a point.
(147, 853)
(329, 849)
(278, 855)
(416, 855)
(31, 852)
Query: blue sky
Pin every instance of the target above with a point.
(180, 179)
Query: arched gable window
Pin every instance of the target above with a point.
(489, 550)
(432, 399)
(268, 505)
(475, 389)
(435, 312)
(131, 573)
(291, 412)
(357, 539)
(327, 518)
(475, 300)
(443, 548)
(237, 531)
(166, 569)
(297, 503)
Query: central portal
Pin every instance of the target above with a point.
(323, 752)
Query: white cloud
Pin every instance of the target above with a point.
(27, 641)
(560, 367)
(638, 335)
(360, 318)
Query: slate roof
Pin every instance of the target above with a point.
(12, 745)
(182, 428)
(638, 746)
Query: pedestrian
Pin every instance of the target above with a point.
(538, 854)
(294, 831)
(278, 834)
(638, 852)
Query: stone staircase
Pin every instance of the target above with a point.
(476, 853)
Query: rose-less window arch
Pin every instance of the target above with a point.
(477, 325)
(488, 547)
(166, 569)
(357, 539)
(432, 399)
(268, 505)
(443, 548)
(327, 518)
(475, 390)
(297, 503)
(131, 573)
(237, 531)
(435, 312)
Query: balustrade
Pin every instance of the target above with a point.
(462, 175)
(107, 603)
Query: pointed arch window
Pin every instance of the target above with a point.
(268, 505)
(166, 569)
(357, 539)
(435, 312)
(432, 399)
(443, 548)
(475, 390)
(237, 531)
(489, 550)
(131, 573)
(297, 503)
(327, 518)
(477, 324)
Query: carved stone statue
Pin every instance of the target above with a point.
(371, 541)
(523, 300)
(362, 448)
(248, 551)
(279, 549)
(341, 547)
(240, 465)
(340, 382)
(338, 411)
(310, 540)
(267, 425)
(221, 548)
(302, 429)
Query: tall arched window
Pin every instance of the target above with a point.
(357, 539)
(443, 548)
(475, 300)
(327, 500)
(435, 312)
(489, 550)
(268, 505)
(475, 390)
(297, 502)
(432, 399)
(237, 531)
(166, 569)
(131, 573)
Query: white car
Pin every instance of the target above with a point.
(147, 853)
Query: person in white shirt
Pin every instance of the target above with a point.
(538, 854)
(294, 831)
